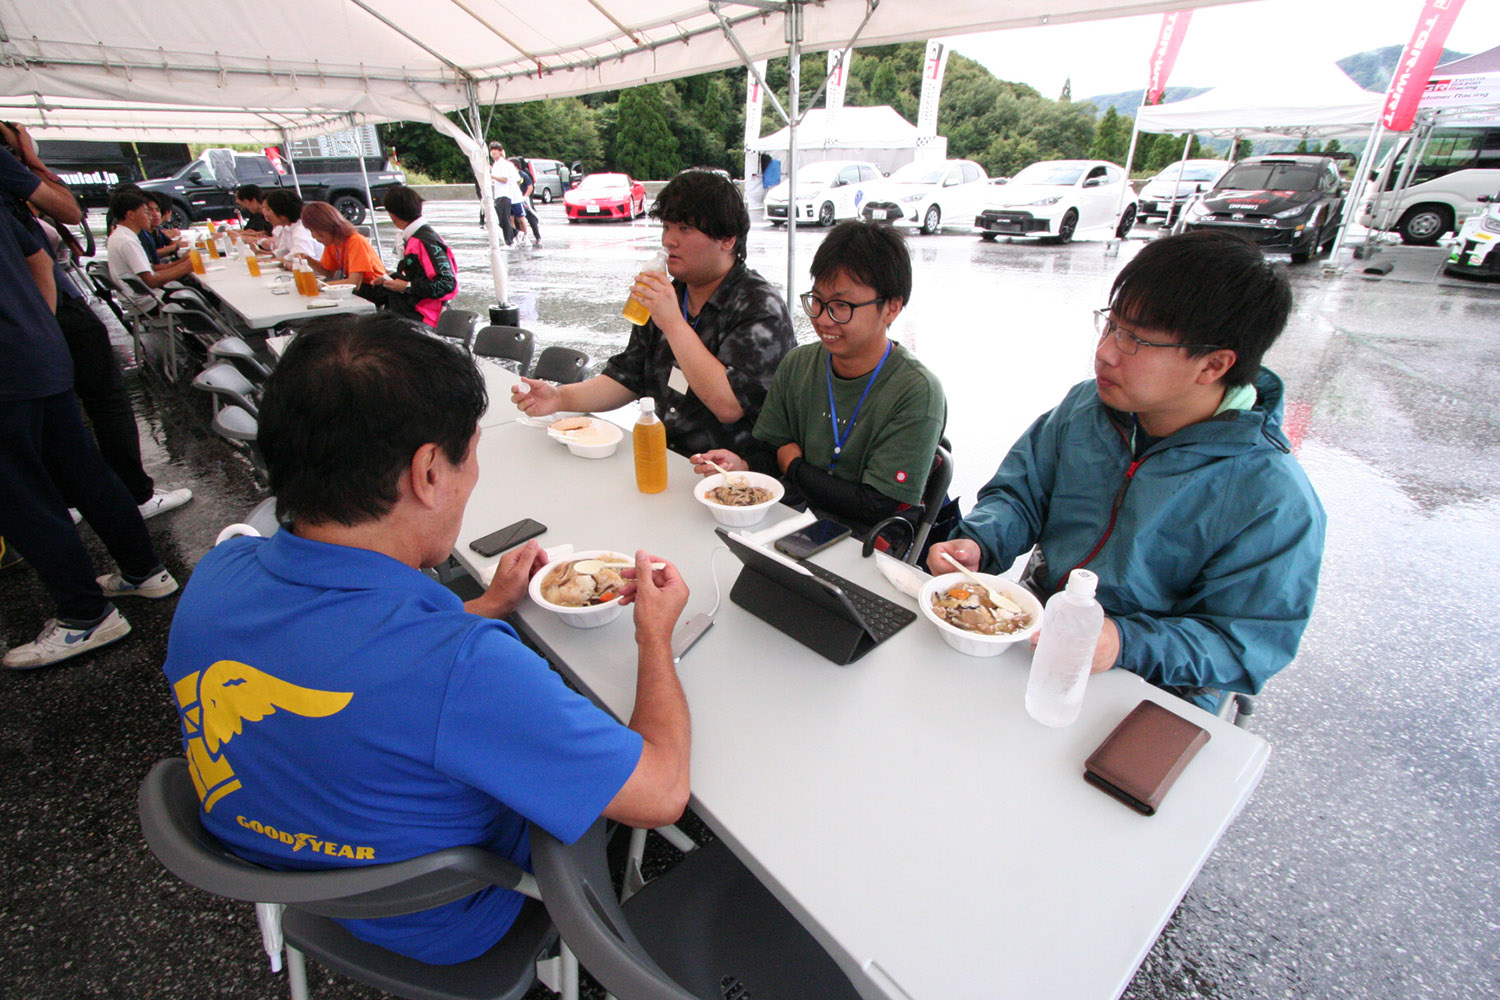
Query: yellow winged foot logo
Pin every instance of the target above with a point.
(214, 705)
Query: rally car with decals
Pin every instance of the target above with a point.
(1284, 202)
(1477, 252)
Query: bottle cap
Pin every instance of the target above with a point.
(1082, 583)
(658, 261)
(648, 406)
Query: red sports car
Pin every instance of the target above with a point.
(605, 196)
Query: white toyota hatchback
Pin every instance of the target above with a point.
(826, 192)
(930, 194)
(1058, 199)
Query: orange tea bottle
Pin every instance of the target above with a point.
(634, 311)
(196, 256)
(650, 441)
(253, 265)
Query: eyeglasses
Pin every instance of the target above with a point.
(1127, 342)
(838, 310)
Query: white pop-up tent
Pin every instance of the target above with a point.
(879, 135)
(269, 70)
(1308, 102)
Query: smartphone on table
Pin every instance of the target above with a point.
(812, 539)
(507, 537)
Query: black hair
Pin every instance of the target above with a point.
(708, 202)
(1207, 287)
(348, 406)
(163, 201)
(249, 192)
(403, 202)
(124, 201)
(284, 203)
(871, 253)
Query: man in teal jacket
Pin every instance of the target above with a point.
(1169, 476)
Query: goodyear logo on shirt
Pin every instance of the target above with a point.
(297, 841)
(215, 704)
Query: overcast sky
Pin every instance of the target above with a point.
(1237, 41)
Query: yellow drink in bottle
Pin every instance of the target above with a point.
(196, 257)
(213, 249)
(650, 441)
(253, 265)
(634, 311)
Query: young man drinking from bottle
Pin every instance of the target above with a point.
(1168, 475)
(717, 330)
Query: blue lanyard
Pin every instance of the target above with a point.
(833, 408)
(690, 322)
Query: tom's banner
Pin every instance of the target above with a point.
(1417, 61)
(1174, 25)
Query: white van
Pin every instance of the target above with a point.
(1459, 165)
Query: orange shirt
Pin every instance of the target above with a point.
(354, 254)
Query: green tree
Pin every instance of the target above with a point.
(1242, 149)
(644, 144)
(1111, 137)
(1332, 146)
(1066, 97)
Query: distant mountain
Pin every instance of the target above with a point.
(1371, 70)
(1128, 102)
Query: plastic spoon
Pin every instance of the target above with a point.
(730, 478)
(997, 599)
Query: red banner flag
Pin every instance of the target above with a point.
(1418, 59)
(1174, 25)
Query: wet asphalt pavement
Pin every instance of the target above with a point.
(1365, 864)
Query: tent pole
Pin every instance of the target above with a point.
(1135, 133)
(794, 78)
(291, 161)
(1357, 191)
(1414, 153)
(1177, 183)
(359, 151)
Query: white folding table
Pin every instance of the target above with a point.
(938, 842)
(260, 308)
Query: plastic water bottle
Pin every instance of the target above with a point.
(1065, 653)
(650, 441)
(634, 311)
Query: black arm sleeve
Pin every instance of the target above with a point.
(860, 502)
(443, 279)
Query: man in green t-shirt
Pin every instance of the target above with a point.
(855, 419)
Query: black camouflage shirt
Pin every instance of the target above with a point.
(745, 323)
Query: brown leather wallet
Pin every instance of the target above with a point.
(1139, 761)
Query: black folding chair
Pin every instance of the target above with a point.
(562, 365)
(508, 343)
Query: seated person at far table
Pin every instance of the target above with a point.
(716, 334)
(160, 242)
(251, 201)
(348, 258)
(427, 276)
(127, 257)
(289, 235)
(328, 688)
(1169, 476)
(855, 419)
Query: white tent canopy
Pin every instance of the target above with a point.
(270, 68)
(1312, 102)
(879, 135)
(1464, 92)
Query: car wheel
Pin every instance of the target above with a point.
(351, 208)
(1423, 224)
(932, 221)
(1068, 226)
(825, 214)
(1127, 220)
(988, 237)
(546, 196)
(178, 219)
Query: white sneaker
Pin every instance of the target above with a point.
(164, 500)
(77, 517)
(58, 642)
(160, 585)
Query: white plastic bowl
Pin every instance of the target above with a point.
(609, 435)
(589, 617)
(340, 291)
(739, 517)
(973, 643)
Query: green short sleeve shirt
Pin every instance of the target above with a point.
(894, 437)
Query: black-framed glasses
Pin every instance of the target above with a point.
(838, 310)
(1127, 342)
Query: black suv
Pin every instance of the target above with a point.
(1288, 202)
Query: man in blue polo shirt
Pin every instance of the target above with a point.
(339, 707)
(48, 459)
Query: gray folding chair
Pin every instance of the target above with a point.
(229, 387)
(508, 343)
(705, 930)
(457, 324)
(934, 495)
(242, 355)
(168, 809)
(562, 365)
(235, 425)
